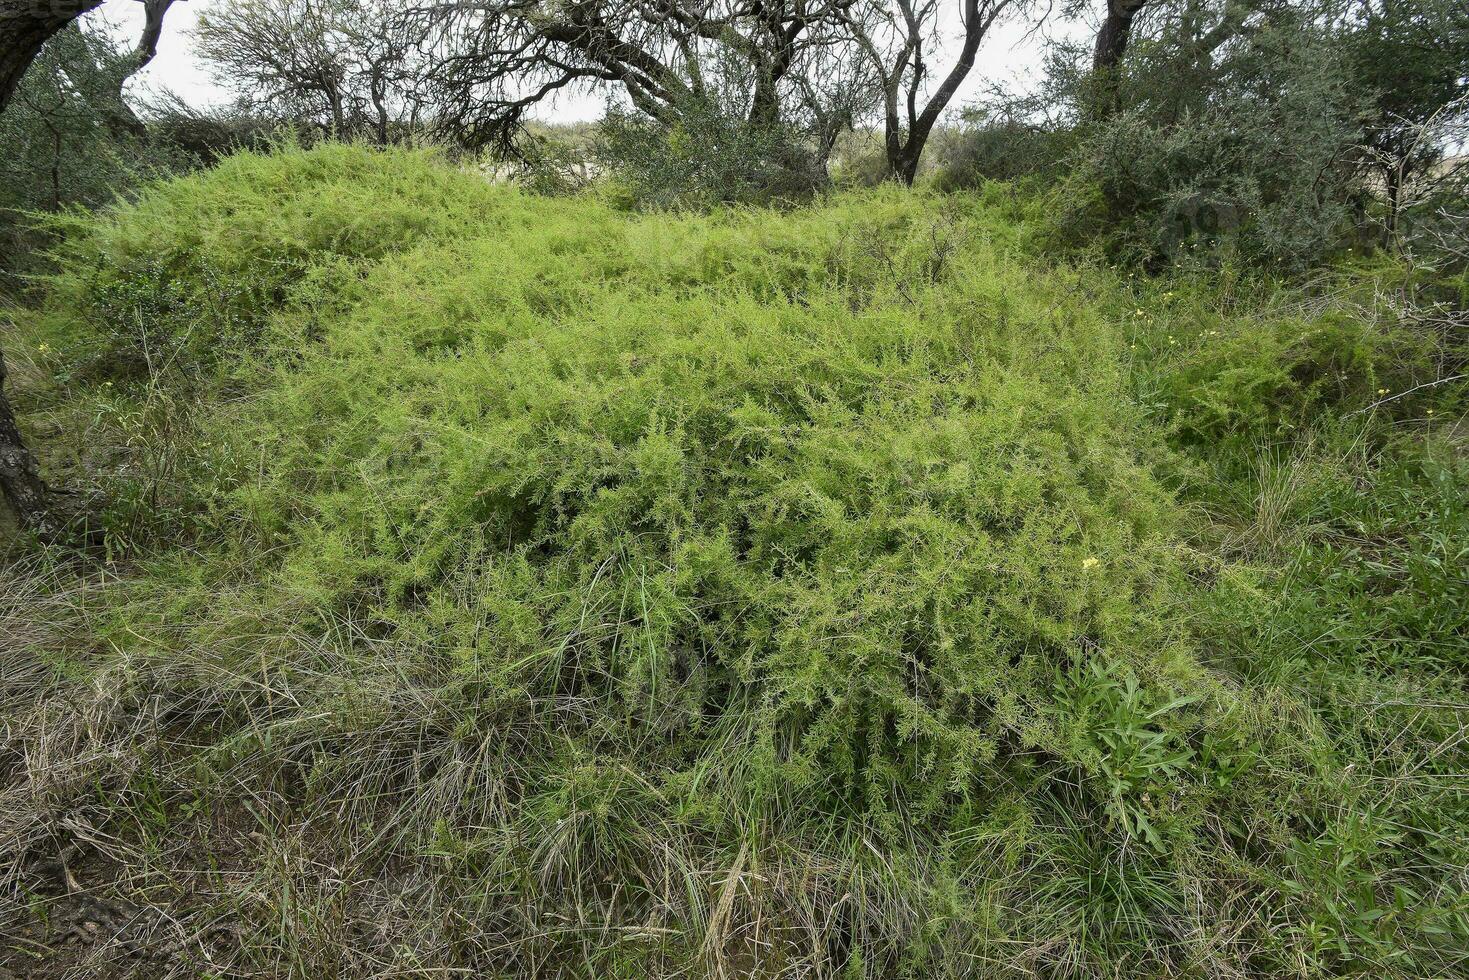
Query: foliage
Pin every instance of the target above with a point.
(1413, 59)
(491, 64)
(206, 135)
(1242, 154)
(709, 156)
(1005, 142)
(1347, 502)
(69, 138)
(1266, 135)
(557, 159)
(829, 591)
(1227, 365)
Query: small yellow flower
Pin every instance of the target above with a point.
(1382, 391)
(1087, 564)
(1430, 411)
(43, 348)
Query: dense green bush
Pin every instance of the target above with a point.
(1227, 364)
(1003, 144)
(745, 458)
(1253, 164)
(200, 266)
(1268, 136)
(766, 593)
(173, 303)
(712, 155)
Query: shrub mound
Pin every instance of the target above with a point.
(589, 593)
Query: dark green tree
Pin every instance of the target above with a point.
(1412, 57)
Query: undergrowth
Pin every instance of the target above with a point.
(514, 585)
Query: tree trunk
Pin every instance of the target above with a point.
(120, 115)
(20, 477)
(55, 171)
(24, 28)
(380, 109)
(905, 150)
(903, 162)
(764, 103)
(25, 25)
(1115, 32)
(1393, 179)
(1112, 38)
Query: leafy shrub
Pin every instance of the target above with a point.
(1215, 373)
(168, 306)
(555, 162)
(998, 145)
(197, 268)
(1242, 153)
(802, 512)
(568, 452)
(859, 160)
(779, 593)
(711, 155)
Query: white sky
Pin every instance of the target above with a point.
(1008, 55)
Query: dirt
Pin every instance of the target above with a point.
(79, 921)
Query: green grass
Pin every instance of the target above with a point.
(513, 584)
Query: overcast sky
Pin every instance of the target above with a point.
(1011, 54)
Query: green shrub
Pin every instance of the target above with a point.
(778, 593)
(197, 268)
(787, 419)
(70, 140)
(1215, 146)
(998, 145)
(711, 155)
(1268, 361)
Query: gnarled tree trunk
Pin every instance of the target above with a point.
(25, 25)
(20, 477)
(1112, 38)
(1115, 32)
(902, 70)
